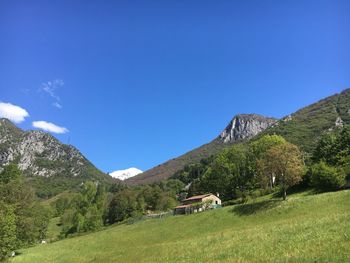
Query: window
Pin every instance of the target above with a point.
(216, 202)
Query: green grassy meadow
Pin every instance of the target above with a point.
(305, 228)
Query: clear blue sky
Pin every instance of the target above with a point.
(140, 82)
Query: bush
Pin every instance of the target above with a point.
(324, 177)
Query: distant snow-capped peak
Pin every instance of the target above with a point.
(125, 174)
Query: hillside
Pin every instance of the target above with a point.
(48, 165)
(305, 126)
(302, 128)
(241, 127)
(305, 228)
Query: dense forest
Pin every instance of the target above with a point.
(254, 168)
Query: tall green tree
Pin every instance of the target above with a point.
(20, 212)
(87, 210)
(7, 230)
(325, 177)
(286, 162)
(258, 149)
(229, 173)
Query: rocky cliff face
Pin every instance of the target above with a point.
(39, 154)
(242, 127)
(245, 126)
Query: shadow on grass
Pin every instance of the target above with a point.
(295, 190)
(253, 208)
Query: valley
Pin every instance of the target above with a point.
(306, 228)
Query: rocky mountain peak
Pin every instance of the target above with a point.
(38, 153)
(245, 126)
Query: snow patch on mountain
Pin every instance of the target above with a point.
(125, 174)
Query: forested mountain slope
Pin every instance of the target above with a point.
(47, 163)
(302, 128)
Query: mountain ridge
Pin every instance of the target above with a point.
(250, 125)
(43, 158)
(302, 128)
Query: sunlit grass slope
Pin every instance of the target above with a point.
(305, 228)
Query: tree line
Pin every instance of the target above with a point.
(269, 163)
(264, 165)
(95, 206)
(23, 220)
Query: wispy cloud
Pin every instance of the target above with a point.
(57, 105)
(50, 127)
(50, 88)
(12, 112)
(25, 91)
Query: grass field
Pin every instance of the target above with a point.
(305, 228)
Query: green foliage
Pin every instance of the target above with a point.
(22, 218)
(260, 146)
(324, 177)
(85, 211)
(333, 149)
(47, 187)
(61, 204)
(172, 185)
(7, 230)
(303, 129)
(237, 171)
(193, 171)
(230, 173)
(122, 206)
(10, 173)
(306, 228)
(326, 149)
(284, 161)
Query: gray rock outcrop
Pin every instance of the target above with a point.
(245, 126)
(38, 153)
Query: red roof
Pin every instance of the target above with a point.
(182, 206)
(195, 197)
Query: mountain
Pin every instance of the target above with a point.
(125, 174)
(245, 126)
(302, 128)
(241, 127)
(305, 126)
(48, 165)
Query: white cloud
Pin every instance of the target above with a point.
(12, 112)
(50, 127)
(50, 88)
(57, 105)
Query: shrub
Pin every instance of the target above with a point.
(324, 177)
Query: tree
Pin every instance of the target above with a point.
(229, 173)
(93, 219)
(61, 204)
(333, 148)
(31, 219)
(257, 149)
(122, 206)
(7, 230)
(165, 202)
(326, 149)
(324, 177)
(10, 173)
(86, 211)
(262, 145)
(285, 161)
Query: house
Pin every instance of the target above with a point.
(197, 203)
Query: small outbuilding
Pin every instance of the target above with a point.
(198, 203)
